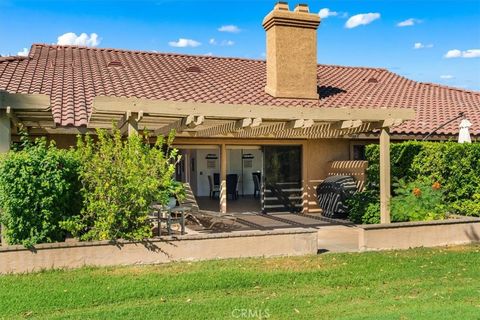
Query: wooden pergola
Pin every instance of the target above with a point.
(200, 121)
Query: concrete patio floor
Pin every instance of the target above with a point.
(333, 235)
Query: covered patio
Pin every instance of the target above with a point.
(224, 126)
(316, 131)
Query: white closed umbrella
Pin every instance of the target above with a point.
(464, 134)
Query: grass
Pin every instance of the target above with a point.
(442, 283)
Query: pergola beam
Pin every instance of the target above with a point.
(139, 116)
(294, 124)
(243, 123)
(229, 127)
(345, 125)
(10, 114)
(188, 122)
(123, 121)
(240, 111)
(387, 123)
(27, 110)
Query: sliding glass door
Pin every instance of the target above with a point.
(282, 185)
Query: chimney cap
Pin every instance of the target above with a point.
(302, 7)
(281, 5)
(299, 18)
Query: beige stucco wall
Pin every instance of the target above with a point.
(291, 242)
(319, 153)
(419, 234)
(63, 141)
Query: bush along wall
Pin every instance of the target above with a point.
(121, 178)
(102, 190)
(39, 188)
(429, 180)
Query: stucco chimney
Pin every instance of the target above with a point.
(291, 52)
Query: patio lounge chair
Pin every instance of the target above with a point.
(211, 218)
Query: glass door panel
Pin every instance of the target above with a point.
(282, 184)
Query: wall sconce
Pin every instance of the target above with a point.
(211, 156)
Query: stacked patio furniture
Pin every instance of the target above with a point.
(344, 179)
(332, 194)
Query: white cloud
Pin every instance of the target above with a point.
(83, 39)
(419, 45)
(325, 13)
(208, 54)
(229, 28)
(408, 23)
(23, 53)
(227, 43)
(455, 53)
(214, 42)
(361, 19)
(446, 76)
(182, 43)
(472, 53)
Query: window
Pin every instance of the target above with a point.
(358, 152)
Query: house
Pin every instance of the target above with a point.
(283, 119)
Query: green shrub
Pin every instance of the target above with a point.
(420, 200)
(39, 188)
(361, 203)
(372, 213)
(455, 166)
(121, 178)
(402, 155)
(467, 207)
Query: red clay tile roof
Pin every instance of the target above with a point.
(73, 76)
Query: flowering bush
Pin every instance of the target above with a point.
(453, 166)
(420, 200)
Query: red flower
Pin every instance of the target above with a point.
(436, 185)
(417, 192)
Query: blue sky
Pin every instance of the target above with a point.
(439, 27)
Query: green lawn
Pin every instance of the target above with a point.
(413, 284)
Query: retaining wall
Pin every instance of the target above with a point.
(406, 235)
(287, 242)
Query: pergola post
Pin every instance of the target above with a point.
(5, 140)
(5, 132)
(132, 124)
(223, 178)
(305, 184)
(384, 176)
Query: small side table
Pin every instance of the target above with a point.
(175, 215)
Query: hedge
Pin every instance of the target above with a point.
(102, 189)
(39, 187)
(455, 166)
